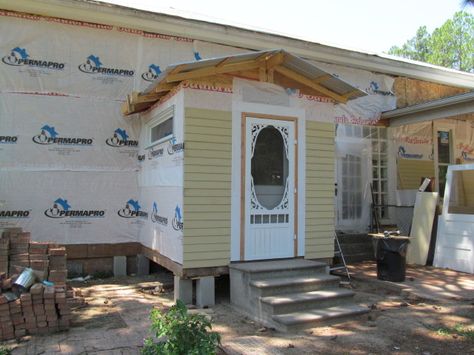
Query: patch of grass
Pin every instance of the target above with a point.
(459, 330)
(4, 350)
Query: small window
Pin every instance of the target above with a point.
(161, 127)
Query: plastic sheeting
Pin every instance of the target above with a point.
(353, 166)
(65, 133)
(365, 110)
(72, 207)
(414, 141)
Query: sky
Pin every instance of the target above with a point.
(368, 25)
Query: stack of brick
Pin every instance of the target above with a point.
(39, 259)
(19, 252)
(57, 265)
(4, 247)
(42, 309)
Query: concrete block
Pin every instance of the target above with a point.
(120, 266)
(205, 291)
(183, 290)
(143, 265)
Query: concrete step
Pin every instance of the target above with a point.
(259, 270)
(301, 301)
(285, 285)
(312, 317)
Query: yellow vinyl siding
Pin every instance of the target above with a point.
(207, 188)
(410, 172)
(319, 241)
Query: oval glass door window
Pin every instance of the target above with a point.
(269, 167)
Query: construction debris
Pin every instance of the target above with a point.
(34, 298)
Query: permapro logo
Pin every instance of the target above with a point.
(154, 153)
(156, 218)
(403, 154)
(177, 219)
(93, 65)
(132, 209)
(175, 147)
(14, 213)
(20, 57)
(152, 74)
(120, 139)
(62, 209)
(8, 139)
(49, 135)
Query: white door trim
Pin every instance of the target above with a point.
(283, 240)
(238, 107)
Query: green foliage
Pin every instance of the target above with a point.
(451, 45)
(180, 333)
(4, 350)
(459, 330)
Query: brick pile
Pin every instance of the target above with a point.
(43, 308)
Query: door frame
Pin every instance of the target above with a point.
(437, 127)
(243, 160)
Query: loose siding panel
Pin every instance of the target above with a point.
(319, 241)
(207, 188)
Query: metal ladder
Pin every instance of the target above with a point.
(343, 266)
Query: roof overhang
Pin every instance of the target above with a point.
(452, 106)
(275, 66)
(103, 13)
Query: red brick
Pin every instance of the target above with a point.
(48, 292)
(37, 289)
(25, 297)
(38, 309)
(57, 251)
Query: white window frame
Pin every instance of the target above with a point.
(446, 127)
(157, 120)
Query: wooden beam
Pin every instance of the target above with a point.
(226, 68)
(275, 60)
(350, 93)
(161, 87)
(144, 98)
(176, 70)
(270, 78)
(308, 82)
(262, 74)
(322, 78)
(222, 62)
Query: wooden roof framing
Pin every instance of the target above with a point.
(276, 66)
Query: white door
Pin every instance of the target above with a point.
(269, 188)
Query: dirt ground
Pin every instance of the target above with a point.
(114, 320)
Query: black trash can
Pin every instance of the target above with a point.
(390, 254)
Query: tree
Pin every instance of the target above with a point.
(451, 45)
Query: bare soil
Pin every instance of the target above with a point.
(394, 324)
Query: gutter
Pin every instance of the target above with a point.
(104, 13)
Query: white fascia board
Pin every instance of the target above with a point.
(104, 13)
(433, 110)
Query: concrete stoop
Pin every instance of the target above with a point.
(290, 294)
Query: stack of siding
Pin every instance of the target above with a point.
(41, 309)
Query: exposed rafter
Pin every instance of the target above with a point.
(276, 66)
(310, 83)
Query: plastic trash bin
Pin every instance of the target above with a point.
(390, 254)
